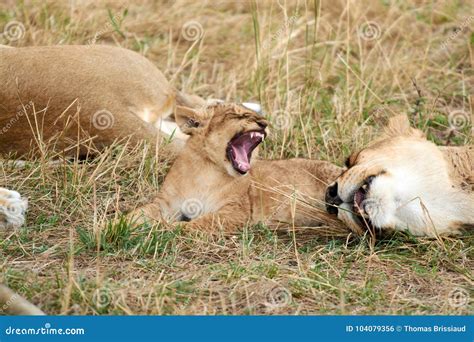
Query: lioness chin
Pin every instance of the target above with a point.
(217, 184)
(405, 182)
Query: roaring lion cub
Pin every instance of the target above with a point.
(405, 182)
(216, 184)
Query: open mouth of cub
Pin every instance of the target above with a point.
(240, 148)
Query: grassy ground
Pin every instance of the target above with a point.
(328, 73)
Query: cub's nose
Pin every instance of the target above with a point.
(332, 199)
(262, 124)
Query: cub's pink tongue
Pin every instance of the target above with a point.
(241, 157)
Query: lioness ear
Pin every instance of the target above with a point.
(188, 119)
(400, 125)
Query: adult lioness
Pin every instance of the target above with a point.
(226, 188)
(72, 96)
(405, 182)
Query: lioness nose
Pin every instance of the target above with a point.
(332, 199)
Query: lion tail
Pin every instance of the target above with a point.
(12, 303)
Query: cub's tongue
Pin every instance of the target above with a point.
(241, 150)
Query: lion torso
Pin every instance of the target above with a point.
(275, 191)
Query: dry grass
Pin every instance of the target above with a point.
(328, 90)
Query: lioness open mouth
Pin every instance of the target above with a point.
(359, 203)
(240, 148)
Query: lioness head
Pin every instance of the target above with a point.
(401, 181)
(226, 133)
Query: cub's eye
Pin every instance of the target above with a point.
(193, 123)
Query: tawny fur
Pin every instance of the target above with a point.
(417, 186)
(67, 85)
(202, 180)
(13, 304)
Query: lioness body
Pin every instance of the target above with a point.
(213, 196)
(77, 92)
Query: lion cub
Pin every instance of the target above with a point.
(216, 184)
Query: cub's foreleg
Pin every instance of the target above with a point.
(152, 211)
(228, 219)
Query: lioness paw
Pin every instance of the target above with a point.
(12, 209)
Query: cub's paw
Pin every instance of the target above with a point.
(12, 209)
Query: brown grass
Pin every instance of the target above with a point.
(328, 90)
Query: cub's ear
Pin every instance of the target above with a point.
(189, 120)
(400, 125)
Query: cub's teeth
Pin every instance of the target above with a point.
(252, 135)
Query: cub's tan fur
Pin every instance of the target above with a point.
(218, 198)
(405, 182)
(93, 92)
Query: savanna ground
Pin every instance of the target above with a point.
(329, 74)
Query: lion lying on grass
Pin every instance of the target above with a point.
(405, 182)
(217, 184)
(77, 100)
